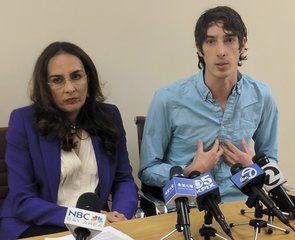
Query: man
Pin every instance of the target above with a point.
(207, 121)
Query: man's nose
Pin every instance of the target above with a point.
(220, 49)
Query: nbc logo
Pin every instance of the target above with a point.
(96, 218)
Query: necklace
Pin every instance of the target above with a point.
(74, 129)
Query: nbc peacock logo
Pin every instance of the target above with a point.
(96, 218)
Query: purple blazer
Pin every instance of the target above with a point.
(33, 164)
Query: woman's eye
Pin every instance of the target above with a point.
(76, 76)
(57, 80)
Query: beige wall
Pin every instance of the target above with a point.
(140, 45)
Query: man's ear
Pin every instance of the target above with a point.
(243, 47)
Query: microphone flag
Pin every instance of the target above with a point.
(252, 173)
(179, 187)
(205, 185)
(274, 176)
(93, 221)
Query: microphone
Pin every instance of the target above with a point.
(250, 181)
(208, 197)
(85, 221)
(273, 183)
(180, 191)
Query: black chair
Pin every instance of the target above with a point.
(3, 168)
(151, 197)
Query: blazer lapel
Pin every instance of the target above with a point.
(51, 154)
(103, 169)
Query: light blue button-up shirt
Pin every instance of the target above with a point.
(185, 111)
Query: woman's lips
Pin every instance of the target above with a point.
(71, 100)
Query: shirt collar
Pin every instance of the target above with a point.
(201, 86)
(204, 90)
(238, 86)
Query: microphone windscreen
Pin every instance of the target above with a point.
(260, 159)
(176, 171)
(89, 201)
(258, 156)
(236, 168)
(194, 174)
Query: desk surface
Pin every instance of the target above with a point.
(155, 227)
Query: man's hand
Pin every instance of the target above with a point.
(204, 161)
(234, 155)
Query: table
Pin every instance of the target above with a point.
(155, 227)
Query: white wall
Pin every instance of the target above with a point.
(140, 45)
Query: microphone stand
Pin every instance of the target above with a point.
(257, 222)
(182, 208)
(183, 223)
(270, 217)
(207, 230)
(178, 228)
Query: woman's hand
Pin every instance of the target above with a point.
(114, 216)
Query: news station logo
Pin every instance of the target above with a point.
(248, 174)
(204, 183)
(274, 176)
(178, 187)
(84, 217)
(241, 178)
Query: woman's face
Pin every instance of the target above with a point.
(68, 84)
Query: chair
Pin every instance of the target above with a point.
(151, 198)
(3, 168)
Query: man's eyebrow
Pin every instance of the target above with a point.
(226, 35)
(230, 35)
(209, 36)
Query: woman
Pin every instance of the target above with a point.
(66, 143)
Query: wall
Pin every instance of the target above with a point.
(140, 45)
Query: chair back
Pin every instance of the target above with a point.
(154, 192)
(139, 121)
(3, 168)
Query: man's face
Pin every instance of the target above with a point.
(221, 51)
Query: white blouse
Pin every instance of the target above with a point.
(78, 173)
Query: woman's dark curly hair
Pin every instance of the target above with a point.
(93, 116)
(231, 20)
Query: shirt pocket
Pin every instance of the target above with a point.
(244, 128)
